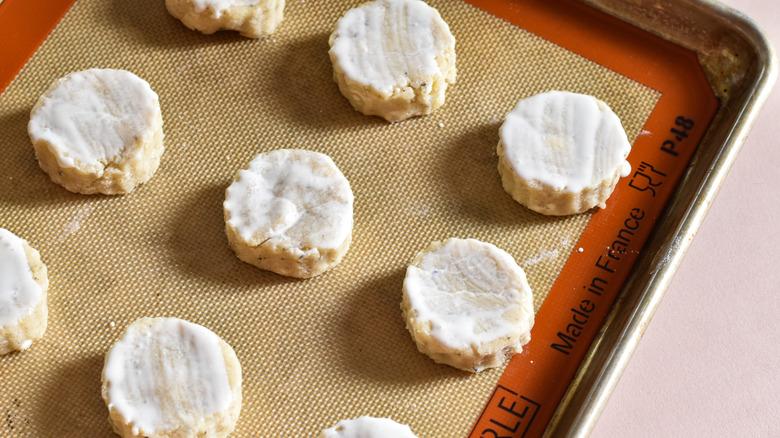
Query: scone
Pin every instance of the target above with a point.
(98, 131)
(166, 377)
(23, 287)
(368, 427)
(393, 58)
(251, 18)
(290, 211)
(467, 304)
(562, 153)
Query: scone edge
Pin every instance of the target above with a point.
(251, 21)
(31, 326)
(283, 259)
(403, 102)
(548, 200)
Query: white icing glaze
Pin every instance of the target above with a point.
(217, 7)
(464, 288)
(368, 427)
(291, 194)
(626, 169)
(19, 292)
(566, 140)
(391, 43)
(167, 374)
(93, 117)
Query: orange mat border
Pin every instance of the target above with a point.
(24, 24)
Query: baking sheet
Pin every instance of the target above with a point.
(313, 351)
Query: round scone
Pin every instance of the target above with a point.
(98, 131)
(562, 153)
(251, 18)
(290, 211)
(23, 288)
(467, 304)
(393, 58)
(368, 427)
(166, 377)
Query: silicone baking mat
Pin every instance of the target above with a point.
(312, 351)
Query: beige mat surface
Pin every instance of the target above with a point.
(312, 351)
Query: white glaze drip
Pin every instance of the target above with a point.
(626, 169)
(19, 292)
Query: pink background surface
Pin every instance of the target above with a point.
(709, 362)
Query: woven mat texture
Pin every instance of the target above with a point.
(312, 351)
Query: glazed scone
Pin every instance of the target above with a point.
(368, 427)
(290, 211)
(562, 153)
(251, 18)
(23, 289)
(166, 377)
(98, 131)
(393, 58)
(467, 304)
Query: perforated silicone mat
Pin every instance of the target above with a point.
(312, 351)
